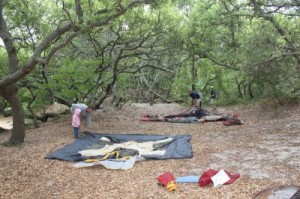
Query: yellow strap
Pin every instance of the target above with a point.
(103, 158)
(116, 153)
(125, 157)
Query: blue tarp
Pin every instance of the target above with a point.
(178, 148)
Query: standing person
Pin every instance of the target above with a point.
(196, 98)
(76, 122)
(85, 114)
(213, 96)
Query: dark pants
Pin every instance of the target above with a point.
(76, 132)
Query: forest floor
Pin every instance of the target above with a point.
(265, 151)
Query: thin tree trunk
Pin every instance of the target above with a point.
(193, 73)
(18, 131)
(239, 87)
(250, 90)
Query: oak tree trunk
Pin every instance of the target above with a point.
(10, 93)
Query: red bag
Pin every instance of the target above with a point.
(205, 178)
(167, 180)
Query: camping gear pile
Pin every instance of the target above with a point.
(195, 115)
(190, 116)
(216, 177)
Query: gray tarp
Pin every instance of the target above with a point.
(180, 146)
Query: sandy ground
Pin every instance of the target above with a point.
(265, 151)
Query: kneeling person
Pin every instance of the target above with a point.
(196, 98)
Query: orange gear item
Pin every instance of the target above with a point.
(167, 180)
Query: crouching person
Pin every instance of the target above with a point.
(85, 114)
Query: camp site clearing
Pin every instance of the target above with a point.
(264, 150)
